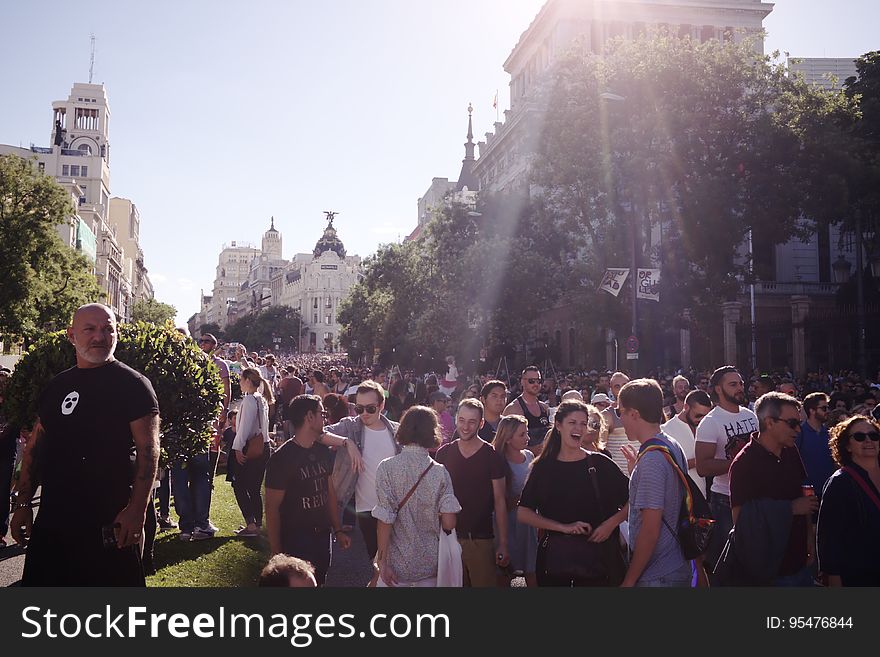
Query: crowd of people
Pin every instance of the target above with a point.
(561, 478)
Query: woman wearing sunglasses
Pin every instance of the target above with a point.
(849, 518)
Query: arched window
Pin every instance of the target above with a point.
(85, 148)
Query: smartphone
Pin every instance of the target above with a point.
(108, 534)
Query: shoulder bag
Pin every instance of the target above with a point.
(254, 447)
(574, 556)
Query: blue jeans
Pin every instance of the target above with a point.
(680, 578)
(719, 505)
(163, 493)
(801, 578)
(191, 485)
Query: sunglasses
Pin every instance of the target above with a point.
(533, 381)
(793, 422)
(861, 436)
(369, 408)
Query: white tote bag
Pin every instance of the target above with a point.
(449, 568)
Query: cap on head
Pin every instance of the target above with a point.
(600, 398)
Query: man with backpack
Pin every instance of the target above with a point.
(655, 492)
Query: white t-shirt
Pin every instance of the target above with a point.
(378, 446)
(682, 433)
(724, 429)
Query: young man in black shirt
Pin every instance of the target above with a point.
(300, 498)
(92, 510)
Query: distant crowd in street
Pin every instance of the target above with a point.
(558, 478)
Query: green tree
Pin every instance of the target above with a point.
(473, 277)
(152, 311)
(686, 144)
(260, 331)
(43, 280)
(214, 329)
(186, 381)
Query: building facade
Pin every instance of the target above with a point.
(79, 160)
(233, 268)
(315, 284)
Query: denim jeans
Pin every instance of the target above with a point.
(680, 578)
(191, 485)
(163, 492)
(719, 505)
(801, 578)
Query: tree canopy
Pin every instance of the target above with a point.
(152, 311)
(691, 146)
(44, 280)
(260, 330)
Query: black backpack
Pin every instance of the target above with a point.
(695, 522)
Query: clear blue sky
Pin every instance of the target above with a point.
(224, 113)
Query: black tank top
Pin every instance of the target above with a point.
(538, 424)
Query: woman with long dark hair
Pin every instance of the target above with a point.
(578, 498)
(253, 420)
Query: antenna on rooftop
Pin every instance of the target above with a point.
(92, 62)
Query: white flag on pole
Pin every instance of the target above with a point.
(649, 284)
(613, 280)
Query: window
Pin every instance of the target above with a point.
(42, 167)
(74, 170)
(84, 171)
(315, 302)
(315, 319)
(85, 148)
(328, 318)
(65, 169)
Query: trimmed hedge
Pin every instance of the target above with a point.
(186, 381)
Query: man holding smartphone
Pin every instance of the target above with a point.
(92, 510)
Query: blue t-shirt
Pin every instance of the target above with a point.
(655, 485)
(816, 455)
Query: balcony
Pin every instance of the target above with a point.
(789, 289)
(74, 152)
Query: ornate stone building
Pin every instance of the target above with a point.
(315, 284)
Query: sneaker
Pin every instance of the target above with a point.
(185, 536)
(199, 535)
(167, 523)
(247, 533)
(210, 528)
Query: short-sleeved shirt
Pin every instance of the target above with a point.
(86, 469)
(728, 432)
(303, 474)
(472, 483)
(655, 485)
(412, 550)
(756, 474)
(223, 366)
(563, 490)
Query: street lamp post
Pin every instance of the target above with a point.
(860, 299)
(634, 272)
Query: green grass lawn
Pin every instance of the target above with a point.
(224, 560)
